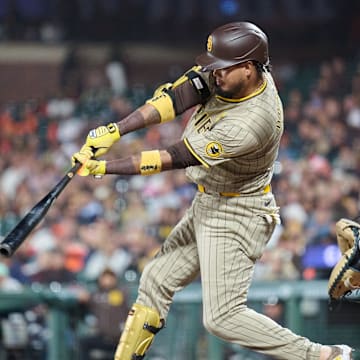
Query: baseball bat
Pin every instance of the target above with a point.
(19, 233)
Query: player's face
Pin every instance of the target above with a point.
(232, 82)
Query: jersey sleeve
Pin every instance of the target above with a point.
(223, 142)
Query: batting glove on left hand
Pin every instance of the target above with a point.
(102, 138)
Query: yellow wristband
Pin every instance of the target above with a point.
(150, 162)
(164, 105)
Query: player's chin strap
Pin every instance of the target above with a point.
(353, 261)
(142, 324)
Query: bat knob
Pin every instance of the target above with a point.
(5, 250)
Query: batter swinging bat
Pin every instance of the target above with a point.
(17, 236)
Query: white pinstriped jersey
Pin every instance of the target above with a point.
(236, 141)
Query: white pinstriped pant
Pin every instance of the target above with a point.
(222, 237)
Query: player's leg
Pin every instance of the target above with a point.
(227, 254)
(175, 266)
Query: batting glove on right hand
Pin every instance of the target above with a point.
(82, 157)
(102, 138)
(89, 166)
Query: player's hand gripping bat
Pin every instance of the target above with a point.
(18, 235)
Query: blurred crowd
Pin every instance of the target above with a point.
(116, 222)
(119, 222)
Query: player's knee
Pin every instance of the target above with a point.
(218, 323)
(214, 324)
(208, 324)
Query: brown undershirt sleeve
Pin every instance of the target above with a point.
(181, 157)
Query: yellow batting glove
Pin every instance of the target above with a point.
(89, 166)
(85, 153)
(102, 138)
(82, 157)
(95, 167)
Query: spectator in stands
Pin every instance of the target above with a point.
(281, 262)
(71, 82)
(116, 72)
(7, 282)
(107, 309)
(142, 243)
(51, 268)
(18, 262)
(107, 252)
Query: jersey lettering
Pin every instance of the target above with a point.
(203, 124)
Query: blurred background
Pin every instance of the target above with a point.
(68, 66)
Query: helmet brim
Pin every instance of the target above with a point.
(209, 62)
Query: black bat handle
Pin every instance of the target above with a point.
(16, 237)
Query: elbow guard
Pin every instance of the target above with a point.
(198, 83)
(163, 103)
(173, 99)
(189, 90)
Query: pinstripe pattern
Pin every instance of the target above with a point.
(227, 259)
(248, 132)
(175, 266)
(220, 238)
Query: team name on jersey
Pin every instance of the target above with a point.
(204, 121)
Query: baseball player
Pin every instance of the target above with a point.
(228, 149)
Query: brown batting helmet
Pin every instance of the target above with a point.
(233, 44)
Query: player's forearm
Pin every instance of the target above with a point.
(176, 156)
(144, 116)
(141, 164)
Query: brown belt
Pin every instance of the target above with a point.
(201, 188)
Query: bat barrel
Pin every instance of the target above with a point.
(17, 236)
